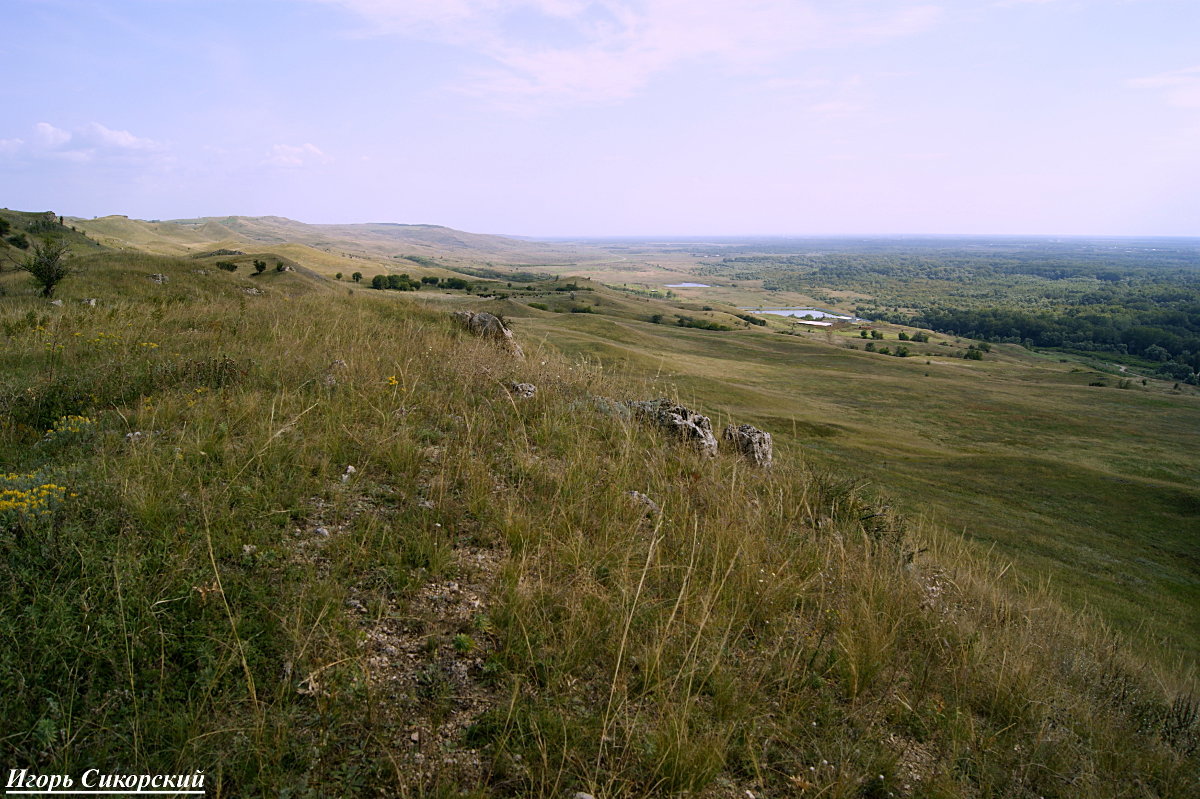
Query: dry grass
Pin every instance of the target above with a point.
(225, 594)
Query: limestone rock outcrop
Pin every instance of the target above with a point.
(486, 325)
(750, 442)
(673, 417)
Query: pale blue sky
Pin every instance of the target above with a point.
(611, 117)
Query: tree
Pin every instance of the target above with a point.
(47, 264)
(356, 277)
(379, 282)
(260, 267)
(338, 276)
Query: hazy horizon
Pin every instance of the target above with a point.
(613, 118)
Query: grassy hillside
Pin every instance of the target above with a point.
(307, 541)
(19, 230)
(376, 242)
(1091, 487)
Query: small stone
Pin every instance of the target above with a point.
(249, 549)
(159, 278)
(651, 505)
(137, 435)
(523, 390)
(415, 737)
(322, 531)
(89, 302)
(56, 302)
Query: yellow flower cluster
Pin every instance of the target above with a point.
(104, 338)
(25, 496)
(72, 424)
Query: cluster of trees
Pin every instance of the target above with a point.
(1124, 298)
(754, 320)
(421, 260)
(403, 282)
(1168, 337)
(395, 282)
(700, 324)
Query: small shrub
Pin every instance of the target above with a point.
(228, 266)
(47, 265)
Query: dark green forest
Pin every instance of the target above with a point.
(1122, 298)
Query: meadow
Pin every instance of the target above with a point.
(302, 536)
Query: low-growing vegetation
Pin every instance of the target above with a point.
(310, 565)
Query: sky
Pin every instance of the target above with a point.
(611, 117)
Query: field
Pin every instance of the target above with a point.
(1077, 470)
(302, 536)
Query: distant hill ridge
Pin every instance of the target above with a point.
(373, 239)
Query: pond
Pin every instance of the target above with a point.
(815, 313)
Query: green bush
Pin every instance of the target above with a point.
(47, 265)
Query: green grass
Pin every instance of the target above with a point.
(1018, 452)
(480, 606)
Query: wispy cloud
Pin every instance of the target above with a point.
(93, 142)
(295, 155)
(600, 51)
(1181, 88)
